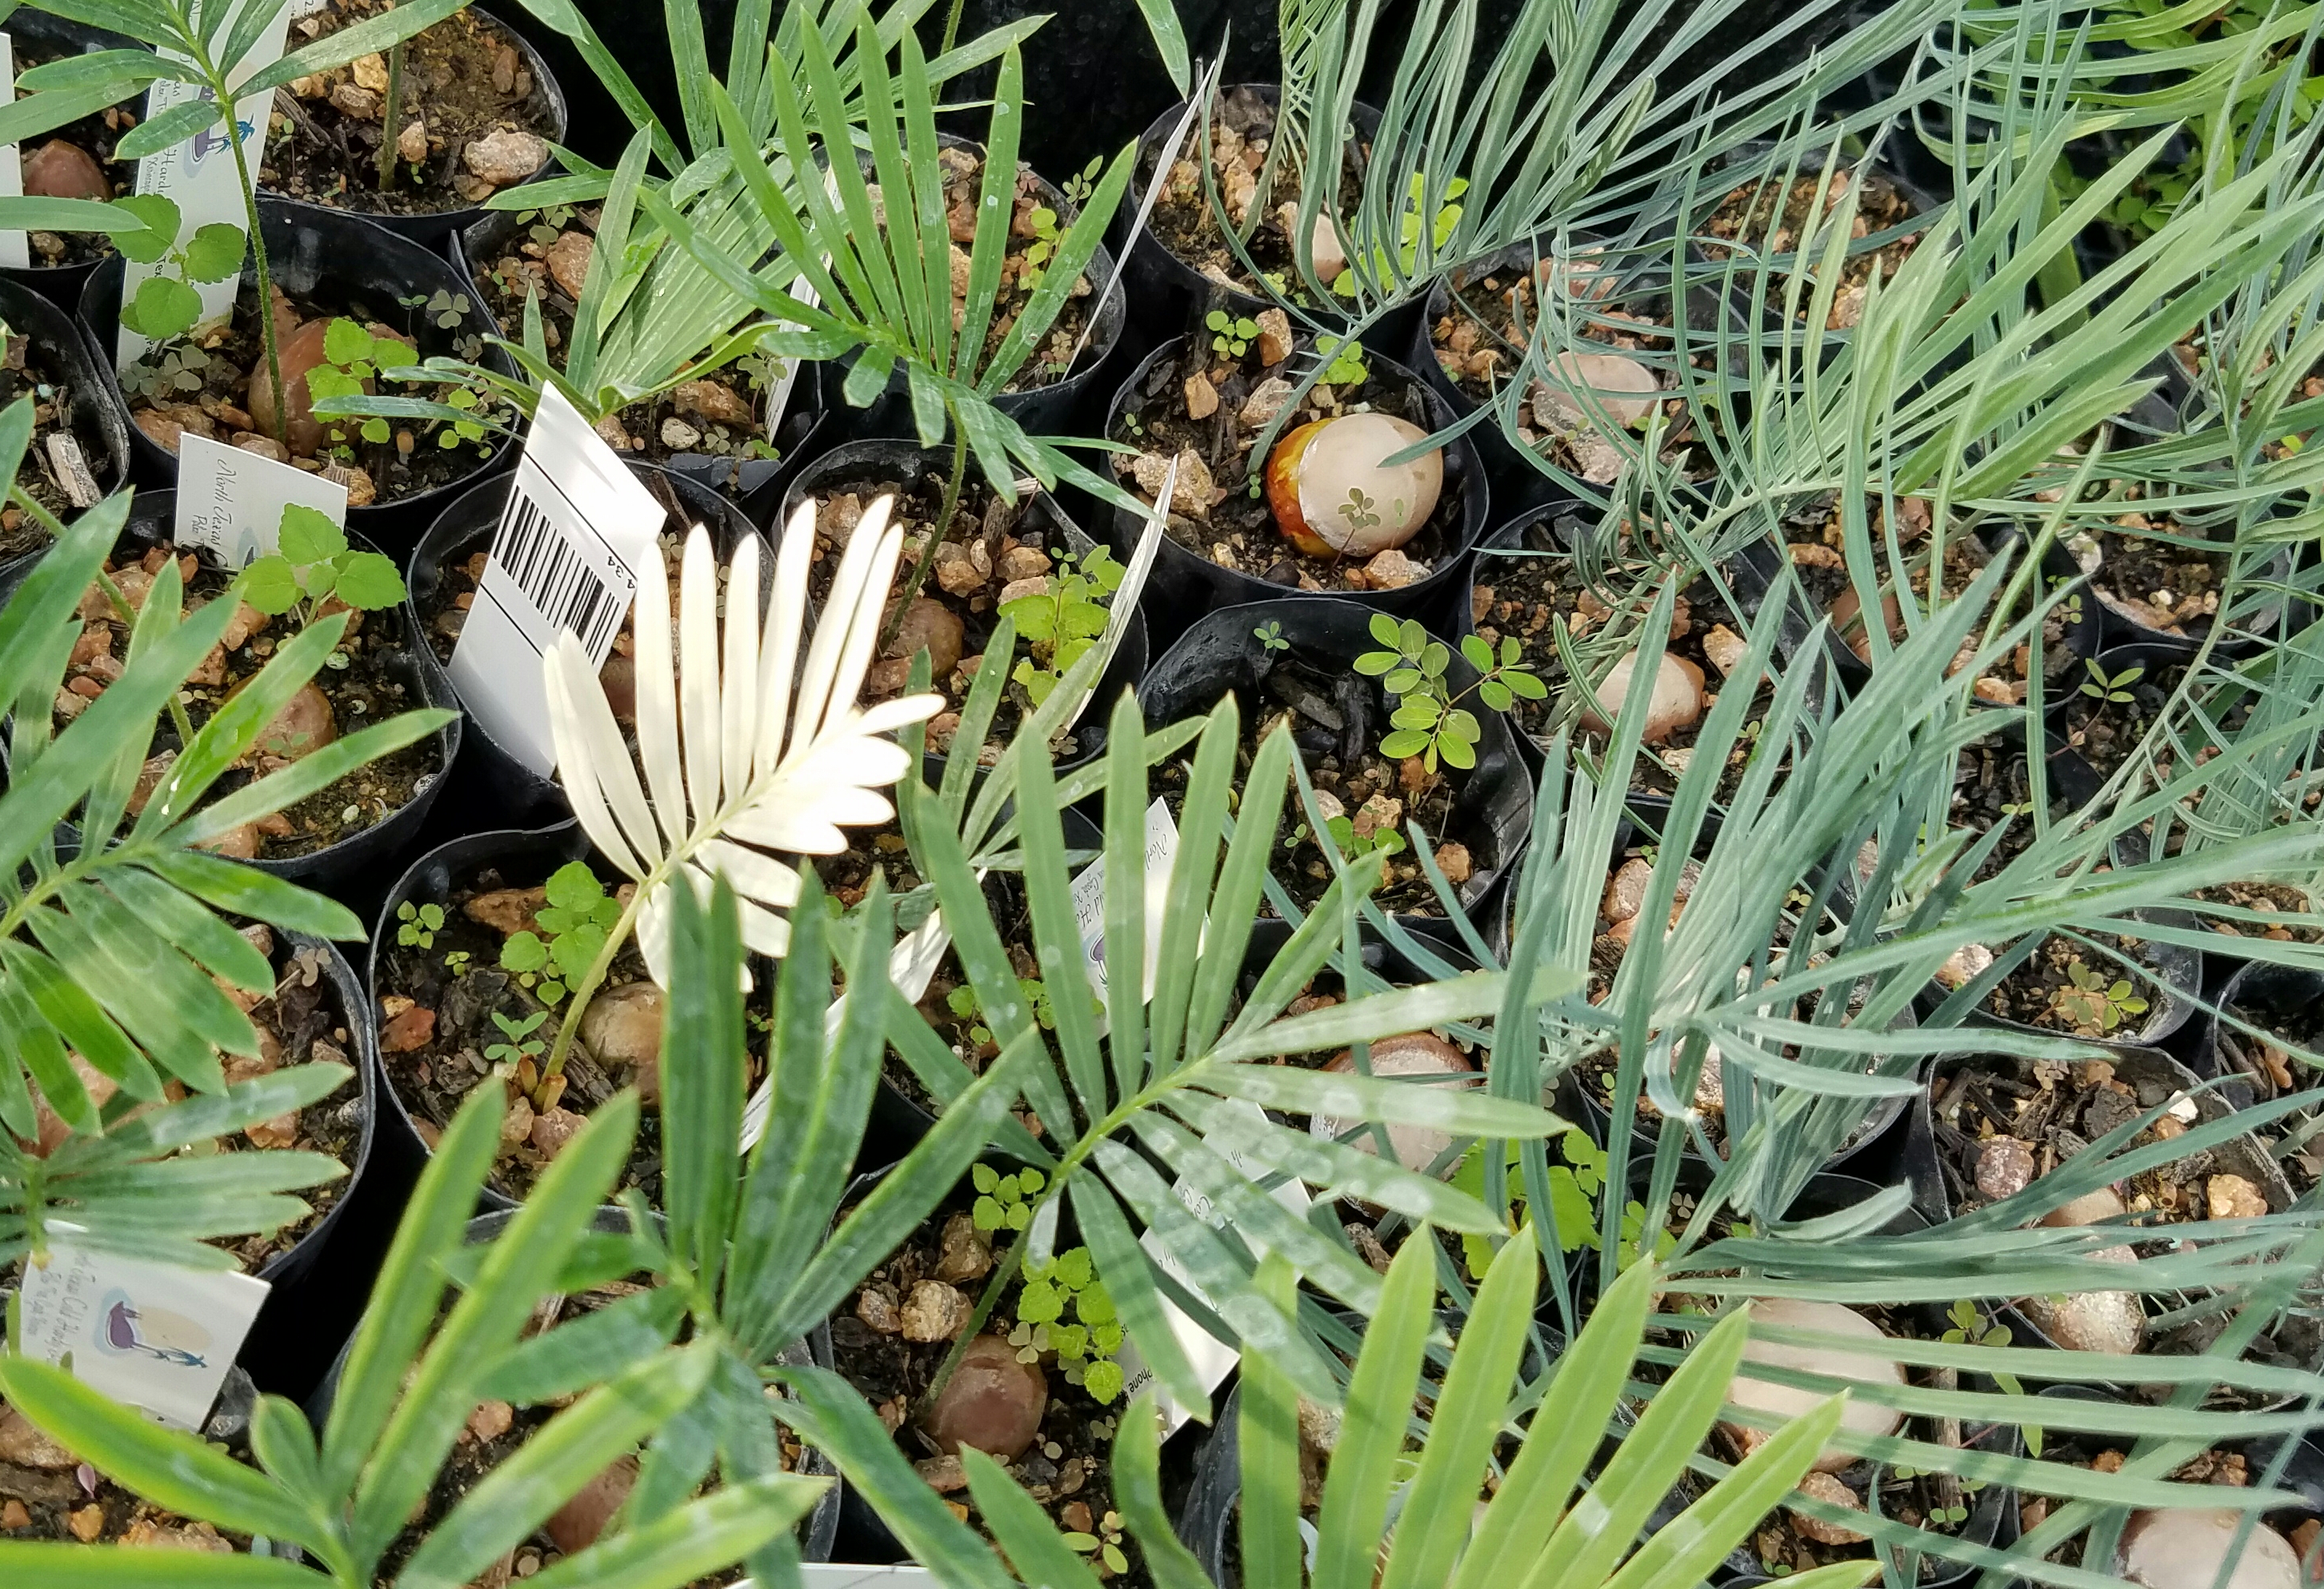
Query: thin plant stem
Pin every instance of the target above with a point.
(257, 255)
(586, 988)
(926, 559)
(952, 27)
(390, 114)
(1002, 1273)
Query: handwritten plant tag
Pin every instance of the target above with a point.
(152, 1335)
(840, 1574)
(231, 501)
(199, 175)
(13, 253)
(577, 527)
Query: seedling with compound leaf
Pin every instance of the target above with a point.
(1232, 335)
(521, 1044)
(1270, 637)
(1085, 1343)
(312, 564)
(418, 925)
(1105, 1544)
(1347, 368)
(573, 926)
(1064, 620)
(165, 305)
(1003, 1202)
(1429, 721)
(1573, 1189)
(2089, 1002)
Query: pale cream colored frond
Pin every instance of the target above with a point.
(733, 766)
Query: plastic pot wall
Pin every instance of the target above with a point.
(322, 253)
(95, 399)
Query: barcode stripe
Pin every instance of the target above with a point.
(543, 562)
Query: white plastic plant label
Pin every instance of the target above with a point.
(231, 501)
(1089, 900)
(840, 1574)
(199, 176)
(576, 528)
(151, 1335)
(1211, 1359)
(13, 253)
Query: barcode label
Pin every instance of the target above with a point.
(549, 568)
(577, 527)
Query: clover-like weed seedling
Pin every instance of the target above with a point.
(1083, 1345)
(1041, 250)
(1270, 638)
(1083, 182)
(1232, 334)
(521, 1045)
(354, 355)
(962, 1002)
(165, 305)
(1429, 721)
(418, 925)
(1347, 368)
(2110, 691)
(312, 563)
(575, 921)
(2089, 1002)
(1064, 620)
(1002, 1200)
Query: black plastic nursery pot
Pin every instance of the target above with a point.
(401, 675)
(1491, 805)
(2173, 974)
(810, 1350)
(78, 417)
(867, 470)
(2284, 1001)
(1166, 287)
(496, 783)
(340, 265)
(539, 103)
(1066, 404)
(1500, 601)
(59, 263)
(426, 1065)
(1970, 1093)
(1189, 579)
(2101, 732)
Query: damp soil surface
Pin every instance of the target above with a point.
(991, 554)
(464, 83)
(931, 1281)
(49, 475)
(44, 1496)
(1208, 407)
(1992, 784)
(2065, 987)
(447, 1002)
(369, 681)
(1522, 597)
(93, 136)
(1336, 719)
(203, 386)
(300, 1022)
(1777, 216)
(1184, 222)
(2174, 585)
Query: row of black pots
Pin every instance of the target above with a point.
(49, 37)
